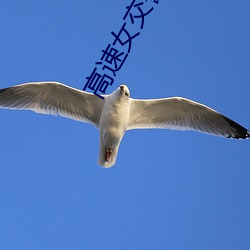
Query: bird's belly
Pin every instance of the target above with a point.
(113, 124)
(111, 138)
(112, 131)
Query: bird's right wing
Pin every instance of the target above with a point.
(182, 114)
(53, 98)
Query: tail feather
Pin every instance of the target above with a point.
(101, 159)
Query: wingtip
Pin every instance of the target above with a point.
(239, 131)
(248, 135)
(3, 90)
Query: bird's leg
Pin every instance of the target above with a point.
(108, 154)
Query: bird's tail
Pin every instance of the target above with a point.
(102, 159)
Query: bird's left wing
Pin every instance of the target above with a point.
(53, 98)
(182, 114)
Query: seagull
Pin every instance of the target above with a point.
(117, 113)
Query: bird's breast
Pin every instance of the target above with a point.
(114, 119)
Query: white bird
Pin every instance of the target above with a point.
(117, 113)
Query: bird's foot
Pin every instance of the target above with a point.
(108, 154)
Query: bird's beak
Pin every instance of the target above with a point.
(122, 88)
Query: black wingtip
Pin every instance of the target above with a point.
(248, 134)
(239, 131)
(3, 90)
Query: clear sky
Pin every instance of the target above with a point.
(168, 189)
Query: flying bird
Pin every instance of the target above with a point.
(117, 113)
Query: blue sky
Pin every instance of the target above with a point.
(169, 189)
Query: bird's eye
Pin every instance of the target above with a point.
(126, 93)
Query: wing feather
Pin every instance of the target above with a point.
(55, 99)
(182, 114)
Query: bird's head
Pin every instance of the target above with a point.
(124, 91)
(121, 94)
